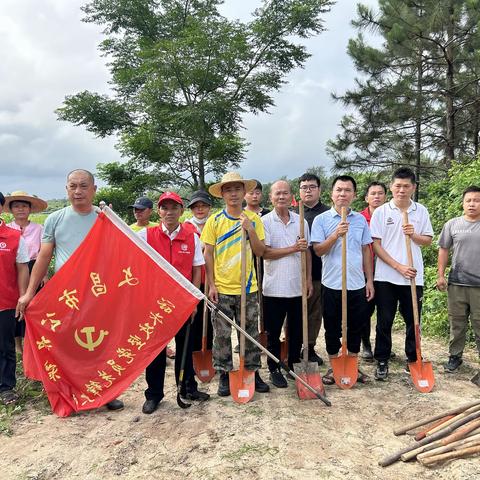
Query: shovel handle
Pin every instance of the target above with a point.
(205, 315)
(303, 257)
(318, 394)
(243, 297)
(344, 285)
(260, 293)
(413, 288)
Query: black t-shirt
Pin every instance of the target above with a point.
(310, 214)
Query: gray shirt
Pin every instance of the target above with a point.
(464, 237)
(66, 229)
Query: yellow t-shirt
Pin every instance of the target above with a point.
(224, 233)
(137, 228)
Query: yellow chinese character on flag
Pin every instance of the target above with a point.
(129, 278)
(86, 398)
(93, 387)
(107, 377)
(116, 367)
(157, 318)
(135, 341)
(98, 287)
(53, 322)
(52, 371)
(44, 343)
(147, 328)
(70, 299)
(166, 305)
(126, 353)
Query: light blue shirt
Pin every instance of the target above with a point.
(66, 229)
(358, 235)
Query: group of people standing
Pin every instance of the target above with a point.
(206, 249)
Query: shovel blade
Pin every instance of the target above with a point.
(284, 351)
(309, 373)
(345, 370)
(203, 365)
(262, 338)
(242, 385)
(422, 375)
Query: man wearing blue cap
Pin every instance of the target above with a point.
(142, 210)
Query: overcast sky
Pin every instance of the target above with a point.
(47, 52)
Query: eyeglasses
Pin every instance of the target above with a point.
(306, 188)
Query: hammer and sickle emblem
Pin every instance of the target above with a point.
(90, 344)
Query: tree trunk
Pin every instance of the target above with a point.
(449, 91)
(201, 166)
(418, 123)
(476, 121)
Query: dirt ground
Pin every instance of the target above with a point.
(275, 436)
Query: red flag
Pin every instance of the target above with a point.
(103, 317)
(294, 202)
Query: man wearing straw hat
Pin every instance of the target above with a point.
(13, 282)
(64, 231)
(20, 204)
(222, 238)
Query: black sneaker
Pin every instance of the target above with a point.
(223, 385)
(150, 406)
(115, 405)
(454, 361)
(260, 385)
(197, 395)
(278, 379)
(367, 354)
(313, 356)
(381, 373)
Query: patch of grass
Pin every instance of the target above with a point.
(255, 411)
(249, 449)
(30, 394)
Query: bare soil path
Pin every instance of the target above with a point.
(275, 436)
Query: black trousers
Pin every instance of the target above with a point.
(332, 318)
(366, 330)
(8, 358)
(275, 310)
(389, 298)
(155, 372)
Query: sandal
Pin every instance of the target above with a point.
(8, 397)
(328, 379)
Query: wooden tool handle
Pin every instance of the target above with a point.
(260, 293)
(205, 312)
(344, 285)
(304, 284)
(243, 297)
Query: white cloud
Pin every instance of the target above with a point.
(48, 53)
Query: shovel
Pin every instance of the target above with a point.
(262, 333)
(284, 343)
(420, 371)
(344, 366)
(280, 364)
(307, 371)
(202, 360)
(242, 381)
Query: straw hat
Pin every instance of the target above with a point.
(231, 177)
(38, 205)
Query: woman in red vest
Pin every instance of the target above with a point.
(13, 283)
(179, 245)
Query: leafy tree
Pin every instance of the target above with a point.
(416, 95)
(182, 76)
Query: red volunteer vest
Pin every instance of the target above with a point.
(179, 252)
(9, 242)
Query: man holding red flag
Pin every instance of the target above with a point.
(14, 279)
(64, 231)
(179, 245)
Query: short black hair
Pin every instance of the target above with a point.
(308, 177)
(345, 178)
(375, 184)
(404, 173)
(470, 189)
(2, 199)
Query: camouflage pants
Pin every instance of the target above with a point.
(222, 332)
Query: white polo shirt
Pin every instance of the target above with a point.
(283, 277)
(386, 224)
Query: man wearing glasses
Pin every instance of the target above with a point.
(310, 191)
